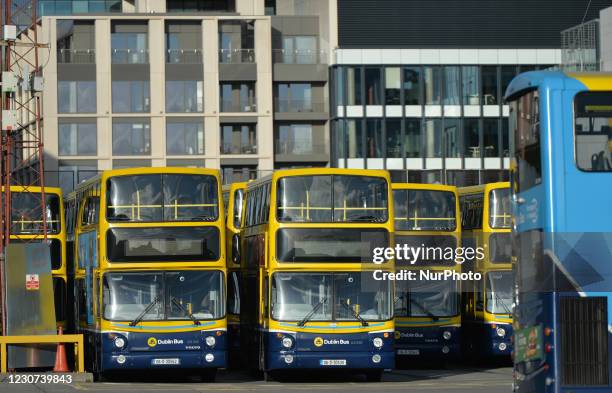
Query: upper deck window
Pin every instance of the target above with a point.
(26, 215)
(424, 210)
(593, 125)
(162, 197)
(525, 125)
(332, 198)
(499, 208)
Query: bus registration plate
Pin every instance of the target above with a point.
(332, 362)
(164, 362)
(408, 352)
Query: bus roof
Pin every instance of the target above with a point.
(320, 171)
(36, 189)
(483, 187)
(577, 81)
(235, 186)
(423, 186)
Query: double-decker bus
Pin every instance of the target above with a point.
(487, 303)
(233, 198)
(27, 226)
(311, 299)
(427, 315)
(561, 182)
(150, 269)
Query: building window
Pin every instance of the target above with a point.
(184, 137)
(295, 139)
(491, 137)
(470, 85)
(394, 138)
(299, 50)
(338, 80)
(451, 86)
(354, 136)
(373, 86)
(433, 138)
(353, 84)
(236, 41)
(63, 7)
(184, 96)
(76, 96)
(131, 97)
(235, 174)
(129, 44)
(199, 6)
(295, 97)
(238, 97)
(412, 138)
(412, 86)
(490, 91)
(76, 41)
(374, 138)
(471, 141)
(131, 138)
(238, 139)
(451, 137)
(183, 42)
(78, 139)
(433, 85)
(507, 74)
(392, 86)
(505, 138)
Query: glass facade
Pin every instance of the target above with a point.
(76, 96)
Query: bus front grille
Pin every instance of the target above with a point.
(584, 341)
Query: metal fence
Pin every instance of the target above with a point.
(580, 47)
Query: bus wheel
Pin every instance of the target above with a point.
(208, 375)
(374, 376)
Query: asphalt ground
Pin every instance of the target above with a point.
(454, 379)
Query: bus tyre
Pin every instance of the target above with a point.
(208, 375)
(374, 375)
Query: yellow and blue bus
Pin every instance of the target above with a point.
(487, 306)
(233, 198)
(312, 296)
(27, 226)
(561, 172)
(427, 314)
(151, 270)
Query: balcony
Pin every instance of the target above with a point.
(232, 106)
(228, 148)
(130, 56)
(290, 148)
(237, 56)
(298, 106)
(76, 56)
(184, 56)
(299, 56)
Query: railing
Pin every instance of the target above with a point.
(299, 148)
(76, 56)
(298, 106)
(76, 339)
(228, 148)
(184, 56)
(130, 56)
(232, 106)
(236, 56)
(65, 7)
(299, 56)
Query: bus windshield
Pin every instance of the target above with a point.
(332, 198)
(499, 292)
(172, 295)
(162, 197)
(424, 210)
(26, 216)
(500, 213)
(330, 297)
(426, 298)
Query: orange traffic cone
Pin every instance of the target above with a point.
(61, 364)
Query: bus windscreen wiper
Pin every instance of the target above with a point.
(312, 312)
(145, 311)
(203, 217)
(426, 311)
(189, 314)
(355, 314)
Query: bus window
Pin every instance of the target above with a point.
(424, 210)
(499, 292)
(525, 124)
(499, 208)
(593, 126)
(237, 214)
(26, 217)
(426, 298)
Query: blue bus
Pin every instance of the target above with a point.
(561, 180)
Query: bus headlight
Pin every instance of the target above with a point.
(447, 335)
(119, 342)
(502, 346)
(210, 341)
(376, 358)
(288, 359)
(501, 332)
(445, 350)
(378, 342)
(121, 359)
(287, 342)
